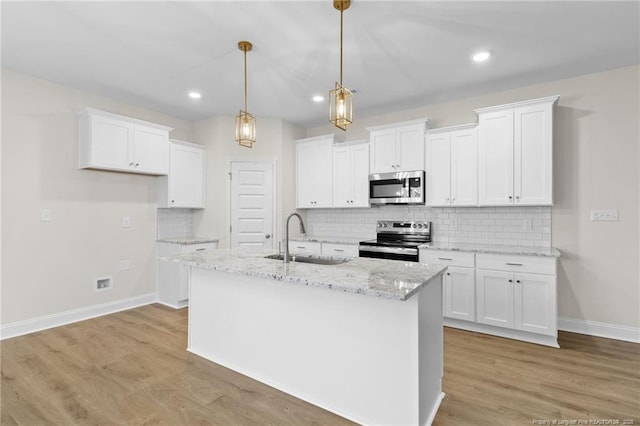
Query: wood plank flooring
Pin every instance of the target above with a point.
(132, 368)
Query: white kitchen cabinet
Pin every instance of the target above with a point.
(351, 175)
(458, 282)
(184, 186)
(517, 292)
(515, 153)
(305, 247)
(340, 250)
(398, 147)
(118, 143)
(451, 166)
(314, 172)
(173, 278)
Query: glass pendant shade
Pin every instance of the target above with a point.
(340, 107)
(245, 129)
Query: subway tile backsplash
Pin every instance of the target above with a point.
(481, 225)
(175, 223)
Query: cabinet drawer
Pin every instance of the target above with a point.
(192, 248)
(531, 264)
(449, 258)
(305, 247)
(346, 250)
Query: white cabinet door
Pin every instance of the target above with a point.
(383, 151)
(342, 187)
(535, 303)
(186, 176)
(464, 168)
(150, 150)
(459, 293)
(533, 168)
(110, 143)
(314, 172)
(495, 158)
(360, 175)
(410, 148)
(494, 298)
(438, 170)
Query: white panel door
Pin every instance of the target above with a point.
(535, 303)
(252, 189)
(495, 158)
(438, 170)
(494, 297)
(464, 168)
(410, 147)
(151, 150)
(533, 155)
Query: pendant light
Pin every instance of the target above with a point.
(340, 98)
(245, 122)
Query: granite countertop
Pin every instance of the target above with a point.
(390, 279)
(188, 240)
(494, 249)
(328, 240)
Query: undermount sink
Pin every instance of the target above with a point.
(317, 260)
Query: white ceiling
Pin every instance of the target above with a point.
(398, 54)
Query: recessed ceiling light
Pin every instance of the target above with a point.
(481, 56)
(195, 95)
(318, 98)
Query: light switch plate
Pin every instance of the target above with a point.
(610, 215)
(527, 225)
(45, 215)
(123, 265)
(126, 222)
(453, 224)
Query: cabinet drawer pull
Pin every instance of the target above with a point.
(301, 247)
(338, 250)
(513, 264)
(444, 258)
(200, 249)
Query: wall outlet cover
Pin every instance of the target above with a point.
(126, 222)
(45, 215)
(124, 265)
(527, 225)
(607, 215)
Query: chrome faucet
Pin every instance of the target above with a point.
(286, 234)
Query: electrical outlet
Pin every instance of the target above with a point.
(453, 224)
(126, 222)
(610, 215)
(124, 265)
(527, 225)
(45, 215)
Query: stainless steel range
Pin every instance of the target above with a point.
(397, 240)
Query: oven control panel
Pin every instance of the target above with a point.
(391, 226)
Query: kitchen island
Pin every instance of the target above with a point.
(362, 338)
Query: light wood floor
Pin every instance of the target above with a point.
(132, 368)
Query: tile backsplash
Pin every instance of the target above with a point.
(175, 223)
(473, 225)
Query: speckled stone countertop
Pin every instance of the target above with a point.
(188, 240)
(329, 240)
(390, 279)
(492, 249)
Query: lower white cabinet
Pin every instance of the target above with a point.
(305, 247)
(458, 294)
(505, 295)
(173, 278)
(340, 250)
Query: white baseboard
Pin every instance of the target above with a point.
(600, 329)
(20, 328)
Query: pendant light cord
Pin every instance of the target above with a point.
(341, 12)
(245, 81)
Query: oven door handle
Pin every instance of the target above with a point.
(377, 249)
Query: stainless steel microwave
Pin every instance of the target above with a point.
(396, 188)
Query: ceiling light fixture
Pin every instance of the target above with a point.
(340, 98)
(481, 56)
(195, 95)
(245, 122)
(318, 98)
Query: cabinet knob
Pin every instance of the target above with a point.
(173, 201)
(397, 166)
(510, 281)
(130, 164)
(137, 164)
(267, 236)
(448, 273)
(518, 281)
(510, 197)
(517, 198)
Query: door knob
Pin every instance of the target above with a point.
(267, 236)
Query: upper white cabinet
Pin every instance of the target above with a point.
(351, 174)
(115, 142)
(314, 172)
(515, 153)
(398, 147)
(184, 187)
(451, 166)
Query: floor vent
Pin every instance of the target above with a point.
(104, 283)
